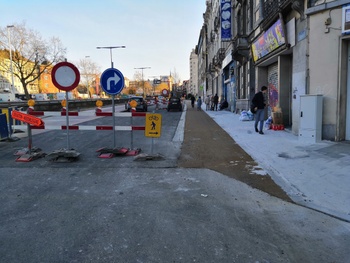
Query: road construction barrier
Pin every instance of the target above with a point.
(103, 152)
(81, 127)
(4, 133)
(84, 127)
(6, 123)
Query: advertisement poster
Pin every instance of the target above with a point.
(272, 39)
(226, 20)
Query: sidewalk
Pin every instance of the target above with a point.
(313, 175)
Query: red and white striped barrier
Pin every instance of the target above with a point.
(84, 127)
(77, 113)
(81, 128)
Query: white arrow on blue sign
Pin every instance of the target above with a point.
(112, 81)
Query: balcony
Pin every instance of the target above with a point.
(272, 9)
(240, 50)
(221, 54)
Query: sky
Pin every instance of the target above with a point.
(158, 34)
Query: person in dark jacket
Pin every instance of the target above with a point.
(223, 104)
(216, 101)
(259, 104)
(193, 99)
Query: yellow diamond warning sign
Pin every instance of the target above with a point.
(153, 124)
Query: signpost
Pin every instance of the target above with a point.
(27, 156)
(65, 76)
(165, 92)
(112, 82)
(153, 126)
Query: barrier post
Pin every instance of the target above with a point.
(10, 122)
(132, 133)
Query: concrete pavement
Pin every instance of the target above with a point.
(313, 175)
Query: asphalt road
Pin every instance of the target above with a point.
(186, 207)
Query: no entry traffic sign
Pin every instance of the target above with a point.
(65, 76)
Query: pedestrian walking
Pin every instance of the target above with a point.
(207, 103)
(199, 103)
(193, 99)
(258, 104)
(216, 101)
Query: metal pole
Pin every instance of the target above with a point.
(132, 133)
(143, 84)
(113, 105)
(30, 138)
(12, 80)
(152, 146)
(110, 50)
(67, 120)
(113, 96)
(113, 116)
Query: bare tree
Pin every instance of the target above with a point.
(31, 54)
(138, 76)
(89, 71)
(176, 77)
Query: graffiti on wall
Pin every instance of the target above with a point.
(273, 89)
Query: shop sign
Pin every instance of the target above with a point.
(269, 41)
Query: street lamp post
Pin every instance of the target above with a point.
(110, 51)
(11, 68)
(143, 83)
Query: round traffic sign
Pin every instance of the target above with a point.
(65, 76)
(165, 92)
(112, 81)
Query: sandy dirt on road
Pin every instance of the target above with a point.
(207, 145)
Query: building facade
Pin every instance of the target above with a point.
(328, 64)
(294, 47)
(194, 89)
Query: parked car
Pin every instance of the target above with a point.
(141, 104)
(174, 104)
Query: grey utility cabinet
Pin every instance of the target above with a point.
(310, 129)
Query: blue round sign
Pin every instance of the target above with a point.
(112, 81)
